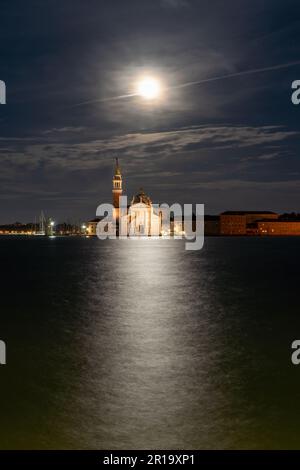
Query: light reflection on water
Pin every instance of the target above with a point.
(140, 344)
(151, 356)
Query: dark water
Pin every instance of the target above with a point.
(140, 344)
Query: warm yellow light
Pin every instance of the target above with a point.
(149, 88)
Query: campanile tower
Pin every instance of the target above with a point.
(117, 188)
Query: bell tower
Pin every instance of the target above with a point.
(117, 188)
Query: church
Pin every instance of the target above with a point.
(141, 218)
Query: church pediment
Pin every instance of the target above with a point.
(139, 205)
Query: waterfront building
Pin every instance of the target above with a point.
(92, 227)
(232, 223)
(142, 219)
(17, 229)
(117, 190)
(254, 216)
(237, 222)
(278, 227)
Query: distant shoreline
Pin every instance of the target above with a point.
(24, 235)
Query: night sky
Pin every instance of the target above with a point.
(231, 143)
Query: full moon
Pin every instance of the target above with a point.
(149, 88)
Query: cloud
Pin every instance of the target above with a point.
(60, 130)
(268, 156)
(200, 146)
(174, 140)
(176, 164)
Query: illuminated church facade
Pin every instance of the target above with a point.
(141, 218)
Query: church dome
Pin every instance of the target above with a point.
(141, 197)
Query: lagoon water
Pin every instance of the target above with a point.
(141, 344)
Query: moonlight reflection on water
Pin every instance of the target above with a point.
(141, 344)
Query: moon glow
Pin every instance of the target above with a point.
(149, 88)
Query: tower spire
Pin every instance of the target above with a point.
(117, 186)
(118, 169)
